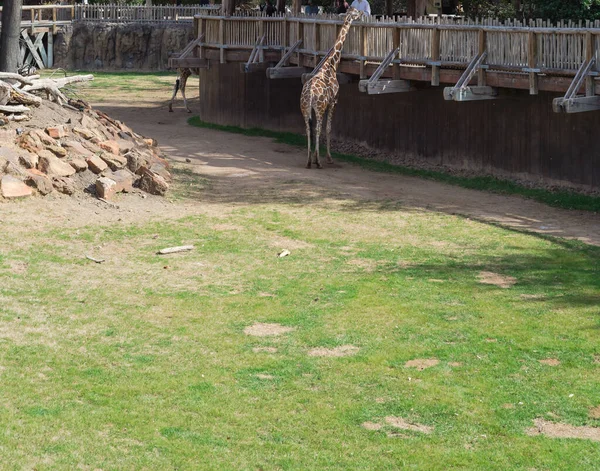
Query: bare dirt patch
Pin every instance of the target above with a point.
(264, 350)
(491, 278)
(264, 376)
(342, 351)
(401, 423)
(594, 412)
(554, 430)
(421, 363)
(371, 425)
(266, 330)
(550, 362)
(455, 363)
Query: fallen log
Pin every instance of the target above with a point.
(14, 108)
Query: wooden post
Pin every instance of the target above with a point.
(222, 40)
(482, 49)
(363, 51)
(300, 30)
(286, 36)
(261, 33)
(396, 45)
(54, 27)
(532, 59)
(200, 31)
(435, 57)
(316, 41)
(590, 88)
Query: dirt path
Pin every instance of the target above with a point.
(245, 169)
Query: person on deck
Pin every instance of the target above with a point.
(341, 7)
(362, 5)
(311, 9)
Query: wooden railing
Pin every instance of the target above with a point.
(142, 14)
(534, 47)
(45, 16)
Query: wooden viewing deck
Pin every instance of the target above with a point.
(473, 59)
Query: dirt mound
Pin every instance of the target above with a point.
(72, 150)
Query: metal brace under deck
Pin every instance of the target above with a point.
(463, 92)
(571, 103)
(375, 86)
(256, 56)
(281, 70)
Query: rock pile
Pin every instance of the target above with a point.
(78, 151)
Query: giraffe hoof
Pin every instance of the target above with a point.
(319, 166)
(170, 110)
(307, 165)
(189, 111)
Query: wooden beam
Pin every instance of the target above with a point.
(576, 105)
(189, 62)
(470, 93)
(380, 87)
(285, 72)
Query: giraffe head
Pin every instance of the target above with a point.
(353, 14)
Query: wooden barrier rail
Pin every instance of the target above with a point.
(534, 55)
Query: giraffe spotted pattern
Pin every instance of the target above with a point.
(319, 94)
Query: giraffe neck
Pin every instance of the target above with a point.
(336, 53)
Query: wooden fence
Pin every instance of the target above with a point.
(533, 47)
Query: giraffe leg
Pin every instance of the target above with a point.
(328, 129)
(307, 121)
(175, 89)
(184, 78)
(317, 136)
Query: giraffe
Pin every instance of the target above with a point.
(319, 94)
(183, 73)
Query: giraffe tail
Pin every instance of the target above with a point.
(176, 86)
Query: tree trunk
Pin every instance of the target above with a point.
(9, 36)
(389, 7)
(280, 6)
(296, 7)
(228, 7)
(416, 8)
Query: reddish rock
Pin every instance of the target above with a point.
(125, 145)
(13, 187)
(39, 181)
(106, 188)
(28, 160)
(56, 132)
(110, 146)
(79, 165)
(96, 164)
(85, 133)
(75, 147)
(53, 166)
(136, 159)
(30, 143)
(64, 185)
(123, 179)
(153, 184)
(151, 142)
(87, 122)
(57, 150)
(43, 137)
(115, 162)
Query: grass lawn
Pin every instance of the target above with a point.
(456, 336)
(142, 362)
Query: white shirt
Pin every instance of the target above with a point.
(362, 5)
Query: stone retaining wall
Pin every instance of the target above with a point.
(93, 46)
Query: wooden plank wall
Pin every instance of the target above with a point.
(516, 135)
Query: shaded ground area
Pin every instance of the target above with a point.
(243, 169)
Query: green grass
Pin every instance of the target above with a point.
(142, 362)
(561, 199)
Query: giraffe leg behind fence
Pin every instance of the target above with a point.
(328, 130)
(184, 76)
(319, 124)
